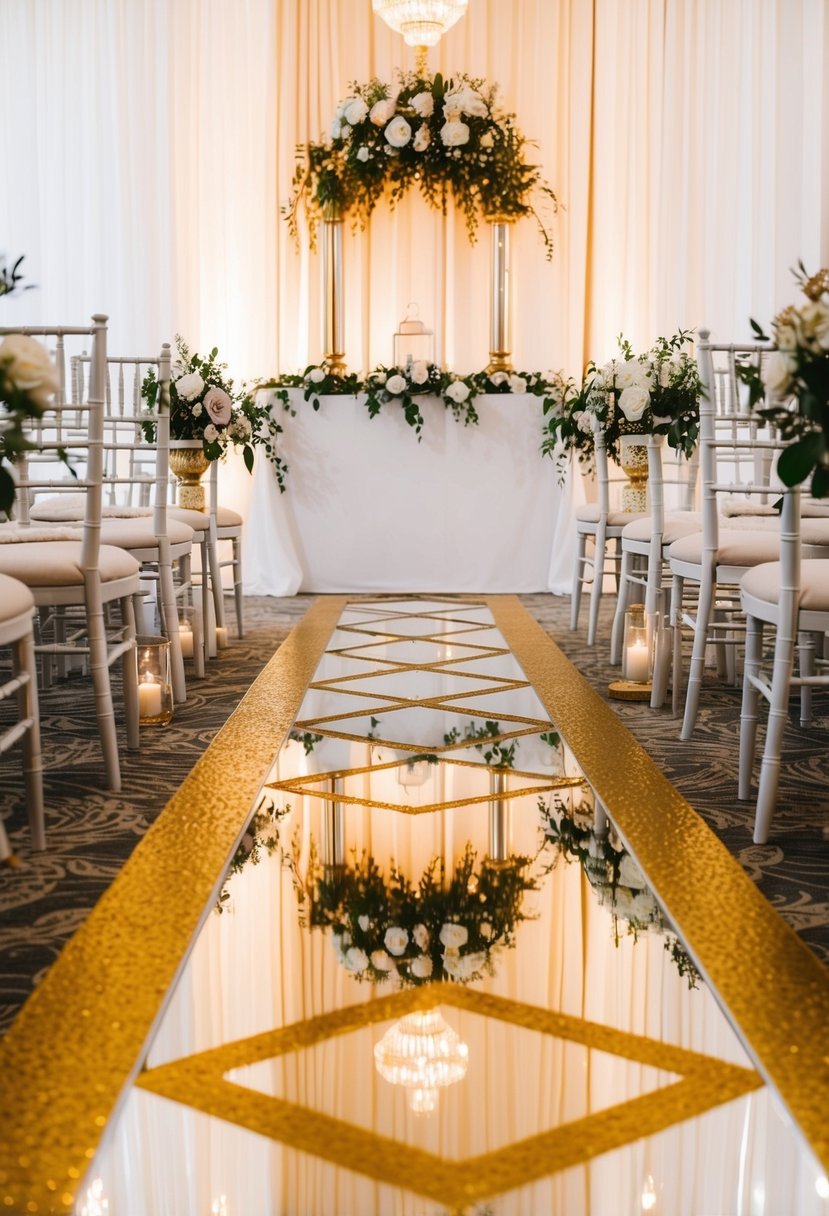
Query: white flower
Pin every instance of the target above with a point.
(633, 401)
(396, 940)
(197, 410)
(633, 373)
(421, 936)
(486, 930)
(381, 961)
(584, 421)
(396, 385)
(422, 138)
(518, 384)
(498, 378)
(316, 375)
(27, 367)
(241, 428)
(190, 386)
(336, 129)
(453, 936)
(454, 133)
(487, 140)
(218, 405)
(398, 132)
(378, 378)
(355, 111)
(210, 433)
(355, 959)
(382, 112)
(457, 391)
(421, 967)
(814, 326)
(777, 372)
(363, 922)
(419, 372)
(465, 100)
(423, 105)
(363, 154)
(463, 966)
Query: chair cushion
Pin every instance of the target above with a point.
(226, 517)
(15, 598)
(199, 521)
(59, 564)
(139, 534)
(749, 505)
(736, 548)
(763, 582)
(589, 514)
(683, 523)
(15, 534)
(64, 508)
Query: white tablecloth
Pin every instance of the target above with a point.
(368, 508)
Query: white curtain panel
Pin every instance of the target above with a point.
(153, 142)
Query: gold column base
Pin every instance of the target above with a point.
(499, 362)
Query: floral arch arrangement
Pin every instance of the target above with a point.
(445, 137)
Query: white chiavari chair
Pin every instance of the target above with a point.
(16, 610)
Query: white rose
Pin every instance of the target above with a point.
(777, 372)
(518, 384)
(633, 401)
(421, 967)
(396, 385)
(381, 961)
(422, 138)
(421, 936)
(814, 318)
(419, 372)
(355, 111)
(457, 391)
(398, 132)
(210, 433)
(396, 940)
(355, 959)
(382, 112)
(463, 966)
(584, 421)
(190, 386)
(363, 154)
(423, 105)
(785, 335)
(316, 375)
(453, 936)
(498, 378)
(28, 368)
(608, 373)
(632, 373)
(363, 922)
(464, 100)
(197, 410)
(454, 133)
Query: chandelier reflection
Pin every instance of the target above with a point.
(424, 1054)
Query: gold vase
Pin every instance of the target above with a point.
(188, 465)
(633, 459)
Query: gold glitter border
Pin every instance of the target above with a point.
(81, 1035)
(772, 986)
(200, 1081)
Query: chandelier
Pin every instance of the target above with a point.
(421, 22)
(424, 1054)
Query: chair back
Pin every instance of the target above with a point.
(67, 439)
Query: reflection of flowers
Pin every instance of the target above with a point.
(261, 836)
(614, 875)
(392, 930)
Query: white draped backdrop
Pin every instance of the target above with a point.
(148, 146)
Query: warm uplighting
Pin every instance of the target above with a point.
(421, 22)
(422, 1053)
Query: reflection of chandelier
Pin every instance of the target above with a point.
(421, 22)
(422, 1053)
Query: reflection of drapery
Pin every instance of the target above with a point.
(673, 134)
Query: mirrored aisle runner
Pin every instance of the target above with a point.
(436, 977)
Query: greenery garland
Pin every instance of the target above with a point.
(442, 136)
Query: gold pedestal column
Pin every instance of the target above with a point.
(333, 333)
(499, 308)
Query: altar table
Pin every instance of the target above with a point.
(368, 508)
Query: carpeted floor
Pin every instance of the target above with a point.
(92, 832)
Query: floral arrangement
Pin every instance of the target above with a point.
(655, 393)
(391, 930)
(614, 875)
(799, 370)
(28, 381)
(401, 386)
(442, 136)
(204, 405)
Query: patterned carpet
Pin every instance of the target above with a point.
(91, 832)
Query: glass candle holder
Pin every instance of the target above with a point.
(636, 656)
(155, 689)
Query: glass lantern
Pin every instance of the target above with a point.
(413, 342)
(636, 653)
(155, 689)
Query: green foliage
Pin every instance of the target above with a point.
(443, 137)
(496, 753)
(11, 277)
(307, 738)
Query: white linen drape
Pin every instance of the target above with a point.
(153, 143)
